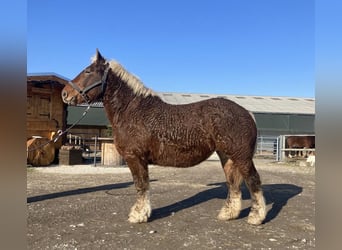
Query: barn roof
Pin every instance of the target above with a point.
(47, 77)
(255, 104)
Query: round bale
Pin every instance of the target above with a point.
(40, 152)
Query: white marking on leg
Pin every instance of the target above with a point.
(231, 209)
(258, 210)
(141, 210)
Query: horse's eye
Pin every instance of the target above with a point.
(87, 71)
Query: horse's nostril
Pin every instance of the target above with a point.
(64, 94)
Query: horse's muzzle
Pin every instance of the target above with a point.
(69, 101)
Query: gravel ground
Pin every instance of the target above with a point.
(86, 207)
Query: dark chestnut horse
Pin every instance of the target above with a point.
(149, 131)
(300, 142)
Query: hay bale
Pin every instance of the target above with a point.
(38, 155)
(110, 156)
(70, 155)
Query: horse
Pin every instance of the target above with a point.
(147, 130)
(300, 142)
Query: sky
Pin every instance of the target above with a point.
(241, 47)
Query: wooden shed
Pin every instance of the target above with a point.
(46, 112)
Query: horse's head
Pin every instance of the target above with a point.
(89, 85)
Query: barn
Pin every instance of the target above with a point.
(46, 112)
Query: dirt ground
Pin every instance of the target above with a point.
(80, 207)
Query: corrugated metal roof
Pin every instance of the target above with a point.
(255, 104)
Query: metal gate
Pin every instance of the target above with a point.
(283, 150)
(268, 147)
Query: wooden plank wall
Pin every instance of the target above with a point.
(46, 111)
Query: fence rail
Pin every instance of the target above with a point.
(90, 142)
(267, 146)
(298, 149)
(284, 152)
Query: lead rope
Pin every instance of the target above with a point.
(60, 132)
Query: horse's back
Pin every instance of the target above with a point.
(235, 129)
(229, 118)
(216, 107)
(190, 133)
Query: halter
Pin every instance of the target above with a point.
(83, 93)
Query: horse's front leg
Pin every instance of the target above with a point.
(141, 210)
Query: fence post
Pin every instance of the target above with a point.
(278, 149)
(261, 144)
(95, 150)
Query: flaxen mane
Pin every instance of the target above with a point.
(131, 80)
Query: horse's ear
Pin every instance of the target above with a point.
(98, 56)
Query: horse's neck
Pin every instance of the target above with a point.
(119, 97)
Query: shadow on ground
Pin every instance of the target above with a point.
(275, 194)
(78, 191)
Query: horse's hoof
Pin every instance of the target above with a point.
(133, 219)
(227, 213)
(256, 217)
(141, 215)
(254, 220)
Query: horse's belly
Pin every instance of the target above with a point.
(177, 156)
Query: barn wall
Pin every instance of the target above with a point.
(45, 110)
(279, 124)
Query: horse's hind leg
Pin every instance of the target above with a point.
(252, 180)
(141, 210)
(232, 206)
